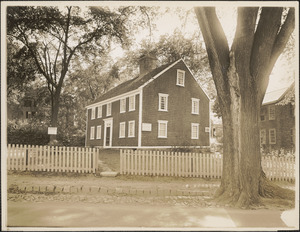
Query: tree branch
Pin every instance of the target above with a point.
(264, 38)
(217, 48)
(283, 36)
(280, 40)
(243, 40)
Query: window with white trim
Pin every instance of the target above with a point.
(263, 136)
(195, 130)
(272, 112)
(132, 103)
(180, 77)
(162, 129)
(93, 113)
(195, 105)
(108, 109)
(163, 102)
(272, 136)
(122, 130)
(123, 105)
(131, 128)
(98, 132)
(99, 113)
(263, 114)
(92, 135)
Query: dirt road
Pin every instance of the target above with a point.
(83, 214)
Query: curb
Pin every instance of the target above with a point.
(50, 189)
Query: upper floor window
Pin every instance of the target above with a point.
(272, 112)
(122, 130)
(272, 136)
(195, 130)
(108, 109)
(98, 132)
(99, 114)
(263, 136)
(123, 105)
(195, 106)
(132, 103)
(131, 126)
(92, 135)
(163, 102)
(162, 129)
(180, 77)
(93, 113)
(262, 114)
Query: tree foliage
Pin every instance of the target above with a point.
(53, 37)
(20, 68)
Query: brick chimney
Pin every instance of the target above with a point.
(147, 63)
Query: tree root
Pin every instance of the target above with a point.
(268, 189)
(241, 199)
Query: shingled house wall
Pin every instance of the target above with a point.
(179, 114)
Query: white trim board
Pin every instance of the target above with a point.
(150, 147)
(196, 80)
(114, 99)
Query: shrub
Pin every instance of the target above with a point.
(22, 133)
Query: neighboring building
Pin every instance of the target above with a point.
(24, 111)
(161, 108)
(277, 121)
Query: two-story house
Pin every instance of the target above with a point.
(277, 121)
(161, 108)
(24, 111)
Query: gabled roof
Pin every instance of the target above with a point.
(133, 84)
(276, 95)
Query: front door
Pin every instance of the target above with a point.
(108, 124)
(107, 139)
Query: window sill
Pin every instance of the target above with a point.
(162, 110)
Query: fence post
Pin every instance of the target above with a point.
(121, 161)
(150, 163)
(147, 160)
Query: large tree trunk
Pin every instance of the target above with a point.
(54, 115)
(241, 76)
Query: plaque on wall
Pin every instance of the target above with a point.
(146, 127)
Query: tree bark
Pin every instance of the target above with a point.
(241, 77)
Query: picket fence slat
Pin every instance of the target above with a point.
(52, 158)
(204, 165)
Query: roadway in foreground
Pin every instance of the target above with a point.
(116, 216)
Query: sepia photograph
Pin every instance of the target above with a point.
(147, 115)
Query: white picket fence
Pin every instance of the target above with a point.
(52, 158)
(279, 168)
(163, 163)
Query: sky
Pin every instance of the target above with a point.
(166, 24)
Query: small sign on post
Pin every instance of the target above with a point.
(52, 130)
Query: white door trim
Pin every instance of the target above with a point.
(108, 122)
